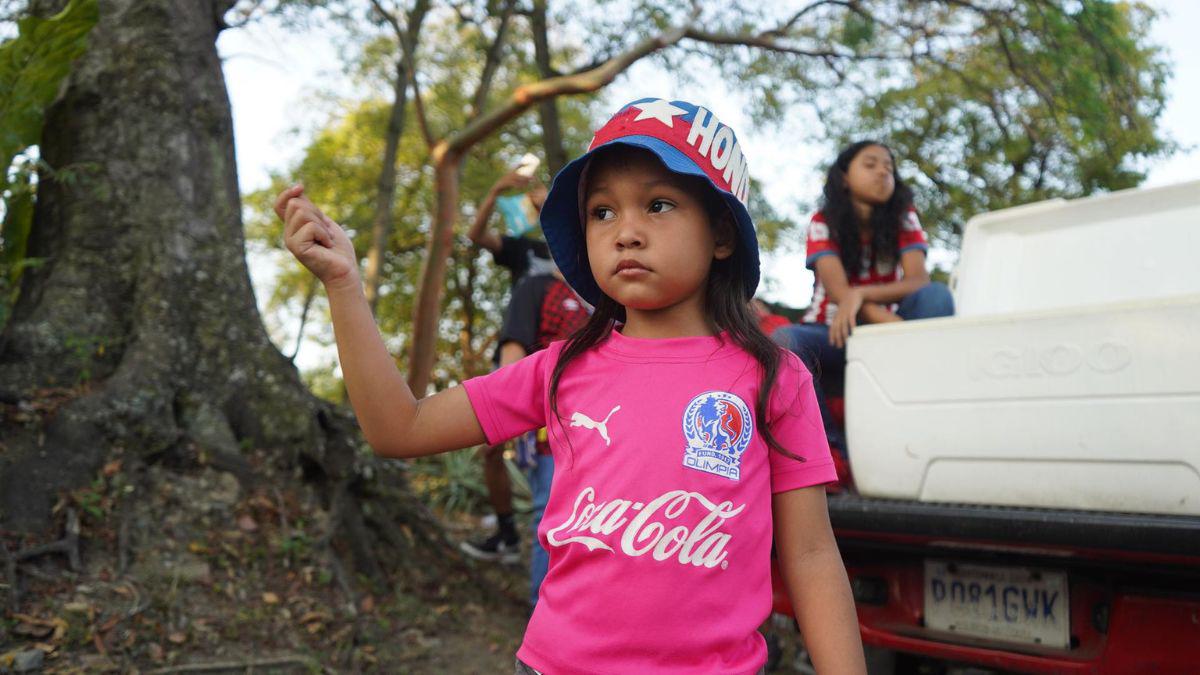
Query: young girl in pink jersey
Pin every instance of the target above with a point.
(867, 250)
(685, 441)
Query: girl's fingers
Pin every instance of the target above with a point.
(300, 212)
(329, 224)
(838, 334)
(313, 231)
(283, 198)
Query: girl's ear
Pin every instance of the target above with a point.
(726, 236)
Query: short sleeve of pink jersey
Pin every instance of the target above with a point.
(512, 400)
(795, 422)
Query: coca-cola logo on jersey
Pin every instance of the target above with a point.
(680, 525)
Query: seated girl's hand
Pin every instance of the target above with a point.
(320, 244)
(846, 318)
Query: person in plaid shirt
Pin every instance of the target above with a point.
(523, 257)
(543, 309)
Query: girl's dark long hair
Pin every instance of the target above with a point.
(727, 309)
(884, 224)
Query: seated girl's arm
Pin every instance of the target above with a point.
(915, 278)
(816, 580)
(849, 299)
(393, 421)
(873, 312)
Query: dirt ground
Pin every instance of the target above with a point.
(205, 575)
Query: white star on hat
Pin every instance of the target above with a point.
(661, 110)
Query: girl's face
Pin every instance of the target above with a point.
(870, 177)
(649, 238)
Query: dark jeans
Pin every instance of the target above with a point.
(810, 341)
(540, 476)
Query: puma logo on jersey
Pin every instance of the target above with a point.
(579, 419)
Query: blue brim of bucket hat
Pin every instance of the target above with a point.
(564, 231)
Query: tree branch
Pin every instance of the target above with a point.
(491, 63)
(528, 95)
(764, 41)
(786, 26)
(407, 37)
(419, 109)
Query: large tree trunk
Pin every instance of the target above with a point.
(143, 315)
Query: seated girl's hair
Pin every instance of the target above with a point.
(886, 219)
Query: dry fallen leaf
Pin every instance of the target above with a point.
(32, 630)
(270, 598)
(314, 615)
(111, 468)
(247, 524)
(177, 638)
(34, 627)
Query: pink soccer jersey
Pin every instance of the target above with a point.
(659, 519)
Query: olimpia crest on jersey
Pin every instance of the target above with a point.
(718, 427)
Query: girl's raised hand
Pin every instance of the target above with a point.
(320, 244)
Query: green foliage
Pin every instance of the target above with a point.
(452, 482)
(340, 169)
(1045, 102)
(33, 66)
(18, 219)
(987, 104)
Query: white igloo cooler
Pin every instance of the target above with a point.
(1069, 379)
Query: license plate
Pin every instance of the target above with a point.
(1014, 604)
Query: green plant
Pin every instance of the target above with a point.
(453, 482)
(32, 68)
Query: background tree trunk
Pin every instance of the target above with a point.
(381, 224)
(552, 137)
(143, 318)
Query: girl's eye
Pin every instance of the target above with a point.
(602, 213)
(661, 206)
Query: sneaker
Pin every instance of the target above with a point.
(494, 548)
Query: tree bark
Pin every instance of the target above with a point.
(385, 192)
(143, 317)
(385, 195)
(552, 137)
